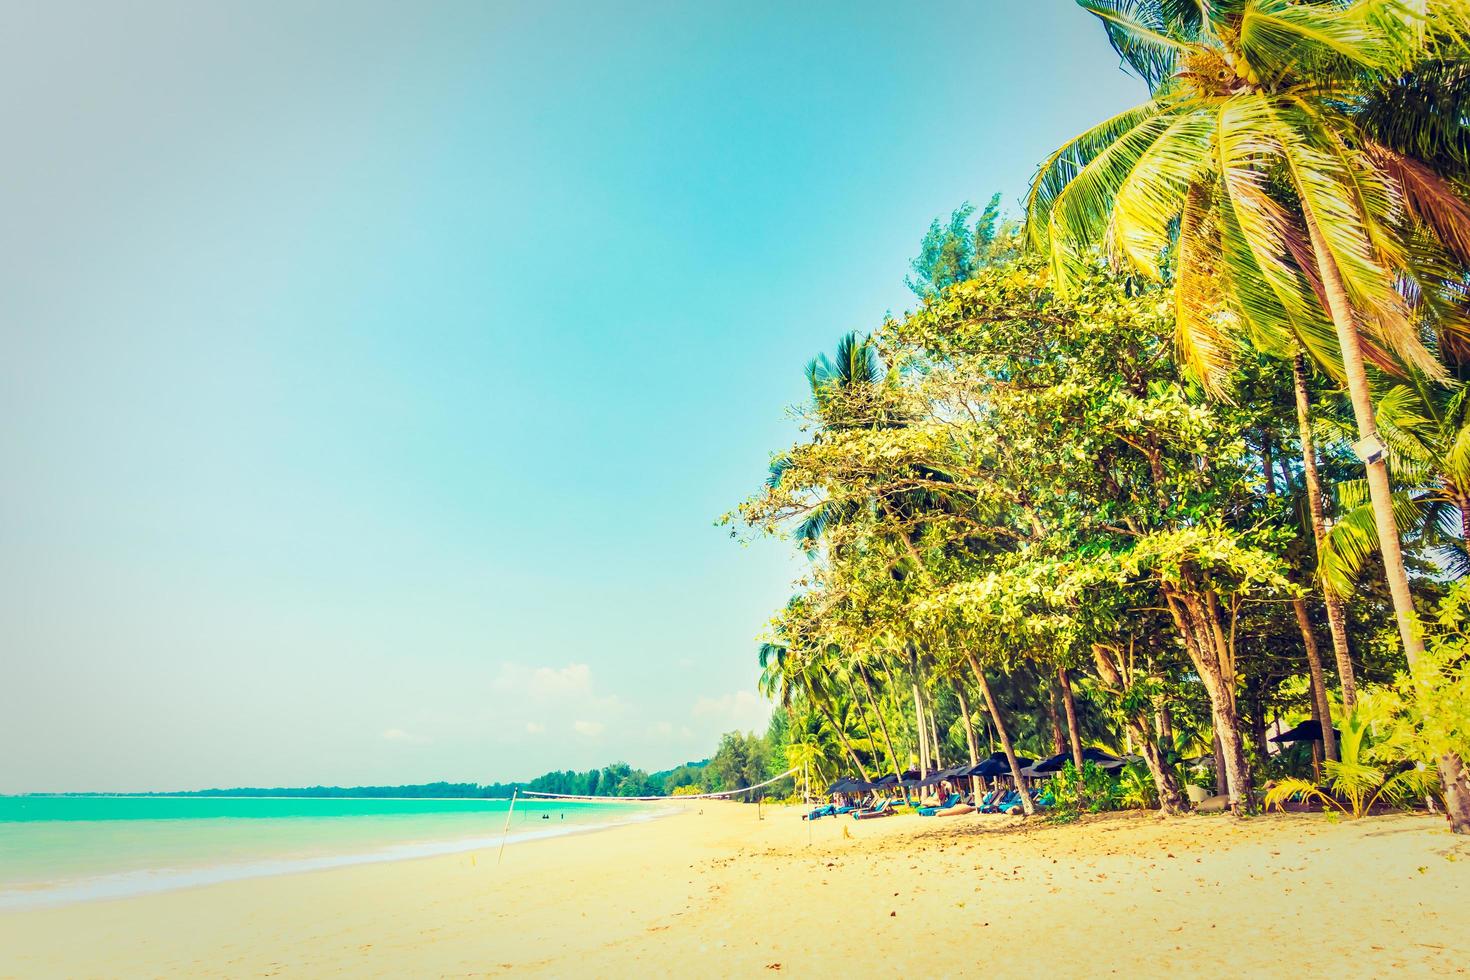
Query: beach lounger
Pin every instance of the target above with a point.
(884, 809)
(822, 811)
(1005, 803)
(929, 811)
(1012, 804)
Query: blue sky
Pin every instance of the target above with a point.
(371, 375)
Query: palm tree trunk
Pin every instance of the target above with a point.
(1005, 736)
(842, 737)
(970, 741)
(1380, 492)
(1309, 638)
(1070, 704)
(1319, 682)
(883, 722)
(923, 737)
(867, 725)
(1336, 618)
(933, 712)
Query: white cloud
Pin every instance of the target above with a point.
(661, 730)
(399, 735)
(562, 686)
(534, 728)
(742, 709)
(588, 728)
(573, 680)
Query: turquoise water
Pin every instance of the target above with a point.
(55, 850)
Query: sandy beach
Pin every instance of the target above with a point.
(714, 890)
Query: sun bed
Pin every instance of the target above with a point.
(993, 800)
(884, 809)
(929, 811)
(987, 801)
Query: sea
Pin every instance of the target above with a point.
(56, 850)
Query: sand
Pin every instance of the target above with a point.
(714, 891)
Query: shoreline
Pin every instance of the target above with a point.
(737, 895)
(124, 885)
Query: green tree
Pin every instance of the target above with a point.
(1285, 220)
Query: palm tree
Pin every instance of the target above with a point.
(1336, 615)
(1293, 224)
(783, 676)
(1286, 221)
(836, 383)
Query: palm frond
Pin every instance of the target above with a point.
(1080, 211)
(1152, 193)
(1354, 538)
(1058, 169)
(1330, 192)
(1280, 38)
(1432, 199)
(1147, 35)
(1204, 343)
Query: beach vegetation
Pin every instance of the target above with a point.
(1176, 464)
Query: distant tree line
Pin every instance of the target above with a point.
(740, 760)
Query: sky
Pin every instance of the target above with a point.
(372, 375)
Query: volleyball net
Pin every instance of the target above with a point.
(657, 799)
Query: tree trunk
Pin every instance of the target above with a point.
(935, 755)
(882, 722)
(970, 740)
(1379, 490)
(1005, 736)
(1258, 725)
(1054, 716)
(1319, 682)
(1303, 621)
(1336, 617)
(923, 736)
(1166, 783)
(1070, 704)
(1456, 781)
(1199, 626)
(842, 737)
(1222, 784)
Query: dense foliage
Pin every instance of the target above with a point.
(1104, 484)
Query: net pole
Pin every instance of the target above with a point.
(504, 833)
